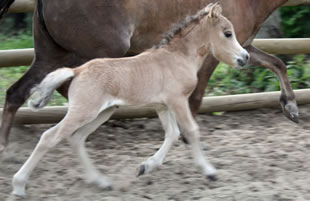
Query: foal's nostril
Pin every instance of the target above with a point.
(247, 57)
(241, 62)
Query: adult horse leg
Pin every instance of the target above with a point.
(16, 96)
(287, 99)
(190, 129)
(172, 134)
(203, 77)
(78, 144)
(48, 57)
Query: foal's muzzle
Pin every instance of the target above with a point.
(242, 61)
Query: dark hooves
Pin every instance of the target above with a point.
(290, 109)
(212, 177)
(294, 118)
(141, 171)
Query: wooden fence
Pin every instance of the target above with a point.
(20, 57)
(23, 57)
(209, 104)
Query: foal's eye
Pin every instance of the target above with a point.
(228, 34)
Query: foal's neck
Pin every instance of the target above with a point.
(192, 43)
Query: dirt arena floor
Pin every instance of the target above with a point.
(259, 155)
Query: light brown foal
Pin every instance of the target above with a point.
(163, 76)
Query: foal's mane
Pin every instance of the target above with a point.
(180, 26)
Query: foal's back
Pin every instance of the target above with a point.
(145, 78)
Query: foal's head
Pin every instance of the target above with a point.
(223, 43)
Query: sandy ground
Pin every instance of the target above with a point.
(260, 155)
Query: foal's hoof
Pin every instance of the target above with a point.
(212, 177)
(141, 170)
(19, 194)
(19, 186)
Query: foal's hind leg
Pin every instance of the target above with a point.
(172, 134)
(78, 144)
(191, 130)
(21, 177)
(71, 122)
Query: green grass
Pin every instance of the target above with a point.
(16, 42)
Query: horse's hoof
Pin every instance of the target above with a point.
(212, 177)
(19, 185)
(290, 109)
(294, 117)
(141, 171)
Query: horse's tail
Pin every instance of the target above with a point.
(46, 88)
(4, 6)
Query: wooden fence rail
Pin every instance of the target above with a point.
(209, 104)
(17, 57)
(284, 45)
(22, 57)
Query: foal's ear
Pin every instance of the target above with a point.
(215, 10)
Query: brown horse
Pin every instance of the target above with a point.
(145, 79)
(69, 33)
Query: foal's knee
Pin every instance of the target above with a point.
(48, 139)
(192, 134)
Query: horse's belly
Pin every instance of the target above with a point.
(90, 30)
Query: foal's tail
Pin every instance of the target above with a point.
(46, 88)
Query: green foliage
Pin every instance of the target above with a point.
(8, 25)
(7, 77)
(226, 80)
(295, 21)
(20, 40)
(299, 72)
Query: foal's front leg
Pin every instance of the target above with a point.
(172, 134)
(191, 131)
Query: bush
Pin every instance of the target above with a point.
(226, 80)
(295, 21)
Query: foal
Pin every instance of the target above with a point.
(163, 76)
